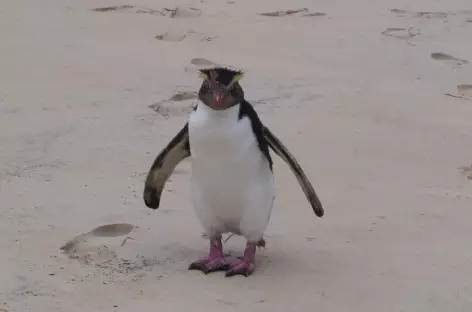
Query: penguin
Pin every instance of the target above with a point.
(232, 180)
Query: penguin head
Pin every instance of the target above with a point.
(220, 88)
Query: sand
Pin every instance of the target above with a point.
(368, 95)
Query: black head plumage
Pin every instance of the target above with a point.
(223, 75)
(220, 87)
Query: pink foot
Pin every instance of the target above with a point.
(244, 265)
(213, 262)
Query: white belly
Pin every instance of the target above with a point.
(232, 184)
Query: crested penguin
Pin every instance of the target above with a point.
(232, 181)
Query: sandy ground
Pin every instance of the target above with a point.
(364, 93)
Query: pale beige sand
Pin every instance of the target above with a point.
(358, 94)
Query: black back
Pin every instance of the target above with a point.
(246, 109)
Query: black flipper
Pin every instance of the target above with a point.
(163, 166)
(278, 147)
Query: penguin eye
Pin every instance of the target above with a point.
(233, 91)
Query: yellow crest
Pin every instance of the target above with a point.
(207, 74)
(236, 78)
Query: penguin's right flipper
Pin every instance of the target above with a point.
(279, 148)
(163, 166)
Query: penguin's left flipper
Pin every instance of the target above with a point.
(278, 147)
(176, 150)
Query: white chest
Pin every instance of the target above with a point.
(232, 184)
(220, 138)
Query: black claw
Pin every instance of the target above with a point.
(205, 269)
(199, 267)
(233, 272)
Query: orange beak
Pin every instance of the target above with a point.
(218, 96)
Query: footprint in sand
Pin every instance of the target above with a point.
(315, 14)
(178, 104)
(176, 36)
(114, 8)
(183, 96)
(426, 14)
(172, 36)
(183, 13)
(284, 13)
(172, 13)
(201, 62)
(86, 249)
(400, 12)
(439, 56)
(465, 90)
(129, 9)
(401, 33)
(467, 172)
(292, 12)
(82, 246)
